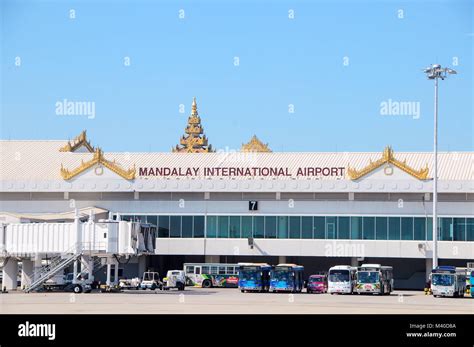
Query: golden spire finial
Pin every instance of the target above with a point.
(388, 153)
(194, 140)
(194, 111)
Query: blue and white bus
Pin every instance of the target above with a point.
(471, 282)
(448, 281)
(254, 277)
(470, 279)
(286, 278)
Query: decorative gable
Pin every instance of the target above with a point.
(99, 161)
(255, 145)
(387, 163)
(80, 144)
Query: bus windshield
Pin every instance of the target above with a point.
(339, 276)
(250, 275)
(442, 280)
(281, 276)
(368, 277)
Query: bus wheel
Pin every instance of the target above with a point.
(206, 284)
(77, 289)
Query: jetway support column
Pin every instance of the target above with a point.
(428, 268)
(112, 265)
(37, 265)
(26, 272)
(10, 273)
(141, 265)
(88, 263)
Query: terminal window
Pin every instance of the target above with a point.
(308, 227)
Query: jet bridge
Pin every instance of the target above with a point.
(55, 246)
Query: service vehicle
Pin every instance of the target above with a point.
(132, 283)
(317, 283)
(67, 283)
(151, 280)
(174, 279)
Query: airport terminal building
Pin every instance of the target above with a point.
(317, 209)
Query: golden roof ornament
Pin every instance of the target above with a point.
(98, 159)
(388, 158)
(194, 140)
(255, 145)
(78, 142)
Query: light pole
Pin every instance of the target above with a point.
(435, 72)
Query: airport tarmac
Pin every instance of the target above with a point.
(229, 301)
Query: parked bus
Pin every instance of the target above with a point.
(254, 277)
(341, 279)
(286, 278)
(208, 275)
(374, 279)
(471, 282)
(470, 279)
(448, 281)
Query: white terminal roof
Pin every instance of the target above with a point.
(30, 165)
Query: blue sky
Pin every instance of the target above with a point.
(282, 61)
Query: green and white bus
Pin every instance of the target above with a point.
(208, 275)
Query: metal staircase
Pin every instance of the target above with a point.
(56, 264)
(97, 265)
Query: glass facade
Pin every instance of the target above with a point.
(344, 229)
(258, 226)
(381, 228)
(246, 230)
(369, 228)
(310, 227)
(394, 228)
(356, 228)
(223, 227)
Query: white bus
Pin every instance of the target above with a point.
(208, 275)
(374, 279)
(341, 279)
(448, 281)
